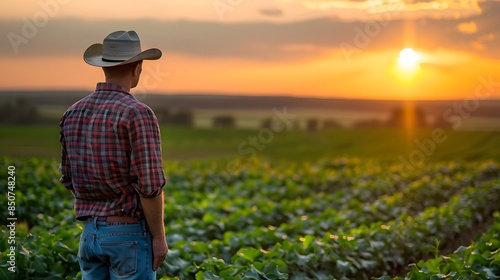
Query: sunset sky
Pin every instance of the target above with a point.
(324, 48)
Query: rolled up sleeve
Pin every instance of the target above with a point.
(64, 166)
(146, 164)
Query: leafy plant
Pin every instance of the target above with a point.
(340, 218)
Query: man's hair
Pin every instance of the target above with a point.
(120, 71)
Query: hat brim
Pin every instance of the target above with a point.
(93, 56)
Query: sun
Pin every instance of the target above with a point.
(408, 65)
(408, 59)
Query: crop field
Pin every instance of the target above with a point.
(181, 143)
(249, 218)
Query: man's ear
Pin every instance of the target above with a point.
(137, 68)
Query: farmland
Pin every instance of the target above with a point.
(181, 143)
(342, 218)
(295, 204)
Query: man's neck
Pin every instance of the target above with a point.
(123, 82)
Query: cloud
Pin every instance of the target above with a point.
(469, 27)
(360, 10)
(480, 42)
(263, 41)
(272, 12)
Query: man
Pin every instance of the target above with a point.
(112, 163)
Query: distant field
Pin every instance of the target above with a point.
(298, 145)
(252, 118)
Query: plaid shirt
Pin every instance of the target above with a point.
(111, 153)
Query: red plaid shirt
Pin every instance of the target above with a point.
(111, 153)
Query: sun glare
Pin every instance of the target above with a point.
(408, 59)
(408, 65)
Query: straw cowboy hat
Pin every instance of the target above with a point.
(119, 48)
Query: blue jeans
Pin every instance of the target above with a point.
(116, 251)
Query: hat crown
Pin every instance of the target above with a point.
(119, 48)
(121, 45)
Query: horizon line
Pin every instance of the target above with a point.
(222, 94)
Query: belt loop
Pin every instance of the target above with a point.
(95, 222)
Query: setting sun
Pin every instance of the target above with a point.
(408, 65)
(408, 59)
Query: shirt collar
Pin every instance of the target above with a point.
(102, 86)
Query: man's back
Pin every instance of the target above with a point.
(112, 144)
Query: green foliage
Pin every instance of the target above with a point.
(185, 143)
(47, 251)
(331, 219)
(480, 260)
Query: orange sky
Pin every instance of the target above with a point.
(302, 48)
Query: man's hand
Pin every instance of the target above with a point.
(153, 210)
(160, 250)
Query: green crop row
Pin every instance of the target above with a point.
(480, 260)
(47, 251)
(343, 218)
(356, 254)
(37, 188)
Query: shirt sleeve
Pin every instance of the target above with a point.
(64, 167)
(146, 165)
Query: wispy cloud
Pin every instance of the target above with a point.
(264, 41)
(402, 9)
(272, 12)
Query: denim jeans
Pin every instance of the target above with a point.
(116, 251)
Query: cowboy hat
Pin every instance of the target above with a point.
(119, 48)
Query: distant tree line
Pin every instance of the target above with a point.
(185, 118)
(18, 112)
(313, 124)
(224, 121)
(400, 118)
(181, 117)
